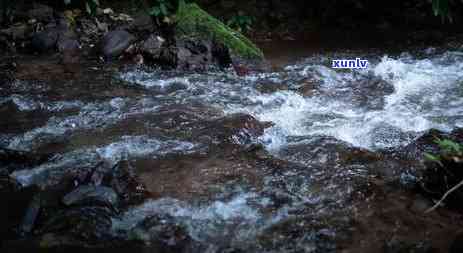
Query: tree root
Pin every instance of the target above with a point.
(444, 197)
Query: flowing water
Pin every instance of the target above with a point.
(291, 187)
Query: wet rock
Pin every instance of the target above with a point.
(327, 151)
(70, 54)
(114, 43)
(91, 193)
(76, 166)
(302, 233)
(163, 232)
(271, 87)
(152, 47)
(45, 41)
(40, 12)
(90, 225)
(371, 92)
(237, 129)
(143, 23)
(69, 47)
(126, 184)
(308, 88)
(193, 55)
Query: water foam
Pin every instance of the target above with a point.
(426, 95)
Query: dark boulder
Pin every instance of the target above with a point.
(235, 130)
(87, 193)
(89, 225)
(114, 43)
(143, 23)
(70, 54)
(69, 47)
(194, 55)
(152, 47)
(126, 184)
(45, 41)
(77, 166)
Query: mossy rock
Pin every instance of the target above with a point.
(194, 22)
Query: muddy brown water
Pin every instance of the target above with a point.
(254, 163)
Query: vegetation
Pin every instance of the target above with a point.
(444, 179)
(241, 22)
(91, 6)
(192, 21)
(161, 10)
(449, 150)
(441, 8)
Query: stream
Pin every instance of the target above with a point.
(304, 158)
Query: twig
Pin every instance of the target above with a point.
(444, 197)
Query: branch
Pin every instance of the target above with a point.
(444, 197)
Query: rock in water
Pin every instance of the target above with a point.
(114, 43)
(45, 41)
(70, 54)
(163, 233)
(152, 47)
(91, 193)
(89, 225)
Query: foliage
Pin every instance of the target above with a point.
(161, 10)
(448, 150)
(91, 6)
(441, 8)
(241, 22)
(192, 21)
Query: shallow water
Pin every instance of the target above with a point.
(170, 126)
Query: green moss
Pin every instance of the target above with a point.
(192, 21)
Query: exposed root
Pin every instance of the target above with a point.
(444, 197)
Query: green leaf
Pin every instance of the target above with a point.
(431, 157)
(163, 10)
(435, 7)
(155, 11)
(87, 8)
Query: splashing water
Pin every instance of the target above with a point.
(386, 106)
